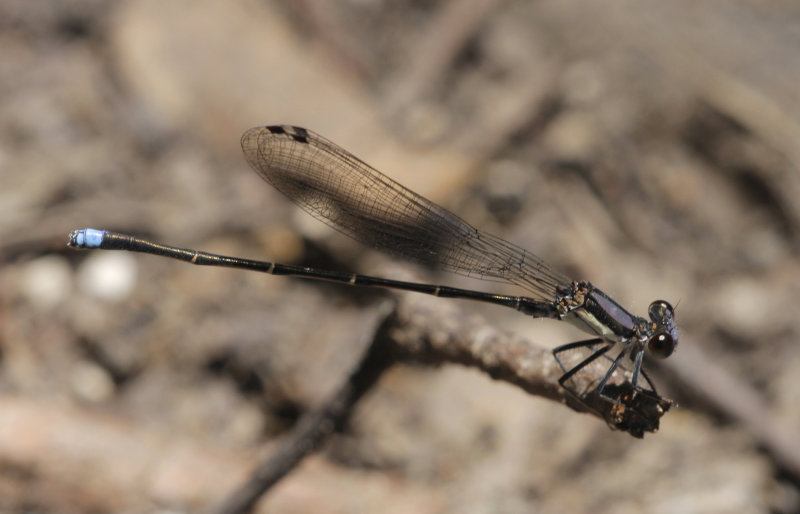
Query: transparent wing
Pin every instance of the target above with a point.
(346, 193)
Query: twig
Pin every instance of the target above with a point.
(434, 332)
(445, 37)
(330, 26)
(316, 426)
(427, 330)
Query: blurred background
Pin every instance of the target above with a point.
(650, 147)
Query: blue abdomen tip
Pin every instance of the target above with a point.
(87, 238)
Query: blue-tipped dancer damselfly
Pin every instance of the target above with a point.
(339, 189)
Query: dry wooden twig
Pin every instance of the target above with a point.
(424, 329)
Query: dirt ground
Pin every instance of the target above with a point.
(650, 147)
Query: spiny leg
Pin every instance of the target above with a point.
(572, 346)
(607, 376)
(589, 343)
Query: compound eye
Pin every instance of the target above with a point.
(661, 345)
(659, 310)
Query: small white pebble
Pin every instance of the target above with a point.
(91, 382)
(246, 425)
(742, 305)
(108, 275)
(46, 281)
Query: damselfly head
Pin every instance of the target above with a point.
(665, 335)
